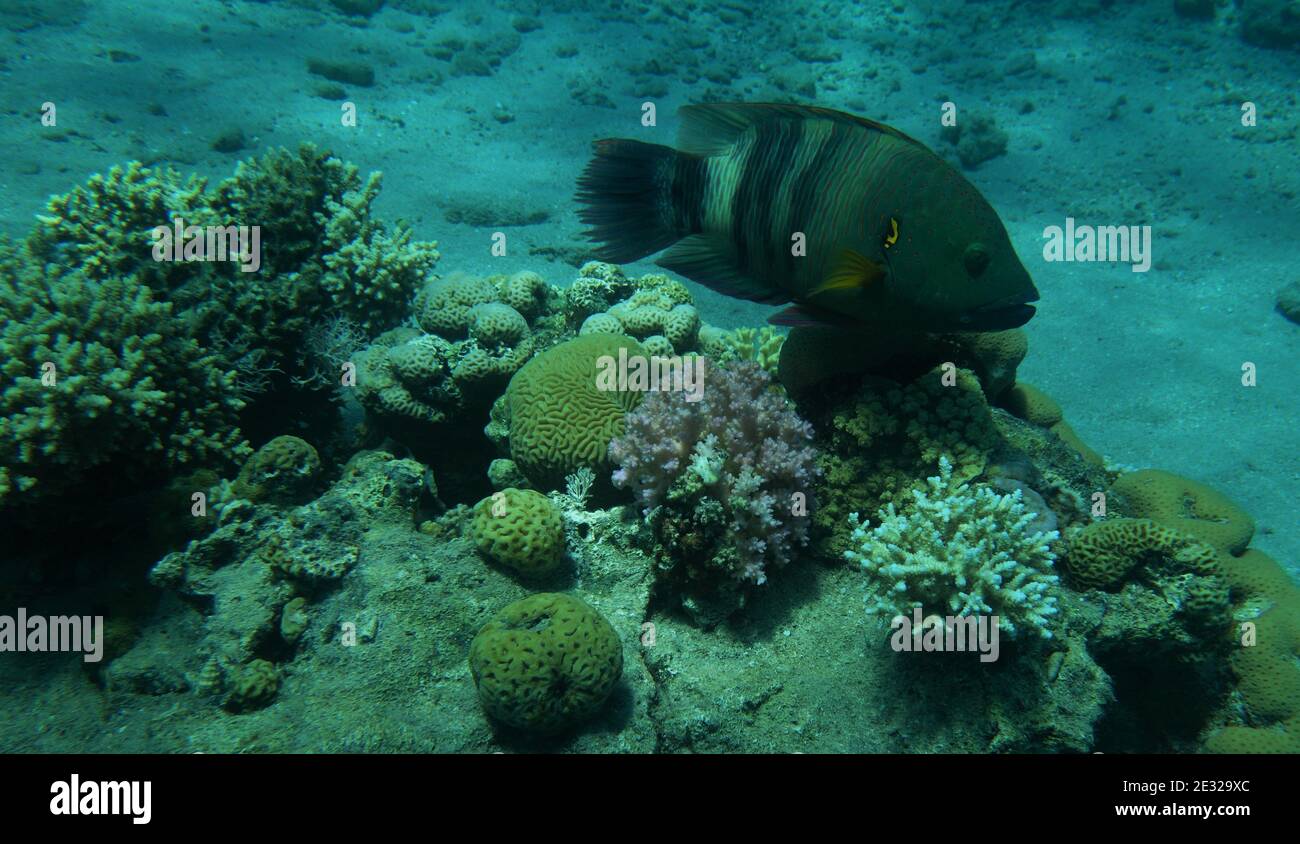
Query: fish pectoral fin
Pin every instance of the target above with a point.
(712, 261)
(852, 271)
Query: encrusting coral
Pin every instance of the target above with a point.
(959, 551)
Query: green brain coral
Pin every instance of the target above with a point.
(559, 420)
(545, 663)
(521, 530)
(1187, 506)
(283, 471)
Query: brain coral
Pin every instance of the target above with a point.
(446, 306)
(406, 375)
(545, 663)
(559, 420)
(284, 471)
(1103, 553)
(521, 530)
(1186, 569)
(497, 324)
(1187, 506)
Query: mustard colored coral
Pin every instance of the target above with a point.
(521, 530)
(559, 420)
(1187, 506)
(1103, 553)
(545, 663)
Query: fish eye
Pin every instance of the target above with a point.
(976, 259)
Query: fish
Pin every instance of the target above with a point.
(847, 221)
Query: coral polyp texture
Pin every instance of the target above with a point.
(521, 530)
(560, 419)
(959, 551)
(724, 480)
(101, 375)
(545, 663)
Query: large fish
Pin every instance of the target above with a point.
(895, 238)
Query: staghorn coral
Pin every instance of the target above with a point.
(959, 551)
(720, 480)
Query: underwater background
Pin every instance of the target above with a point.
(419, 527)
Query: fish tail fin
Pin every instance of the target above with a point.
(627, 198)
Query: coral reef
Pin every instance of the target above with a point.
(959, 551)
(559, 420)
(654, 309)
(761, 345)
(878, 442)
(521, 530)
(1187, 506)
(103, 380)
(724, 482)
(1105, 553)
(158, 365)
(284, 471)
(545, 663)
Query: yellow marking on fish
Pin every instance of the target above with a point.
(891, 236)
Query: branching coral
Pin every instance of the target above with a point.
(98, 370)
(959, 551)
(724, 481)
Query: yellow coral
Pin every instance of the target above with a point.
(1032, 405)
(559, 420)
(1103, 553)
(521, 530)
(545, 663)
(1187, 506)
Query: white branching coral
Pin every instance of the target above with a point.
(959, 551)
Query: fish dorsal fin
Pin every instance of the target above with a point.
(712, 128)
(712, 261)
(852, 271)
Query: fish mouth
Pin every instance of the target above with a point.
(1009, 312)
